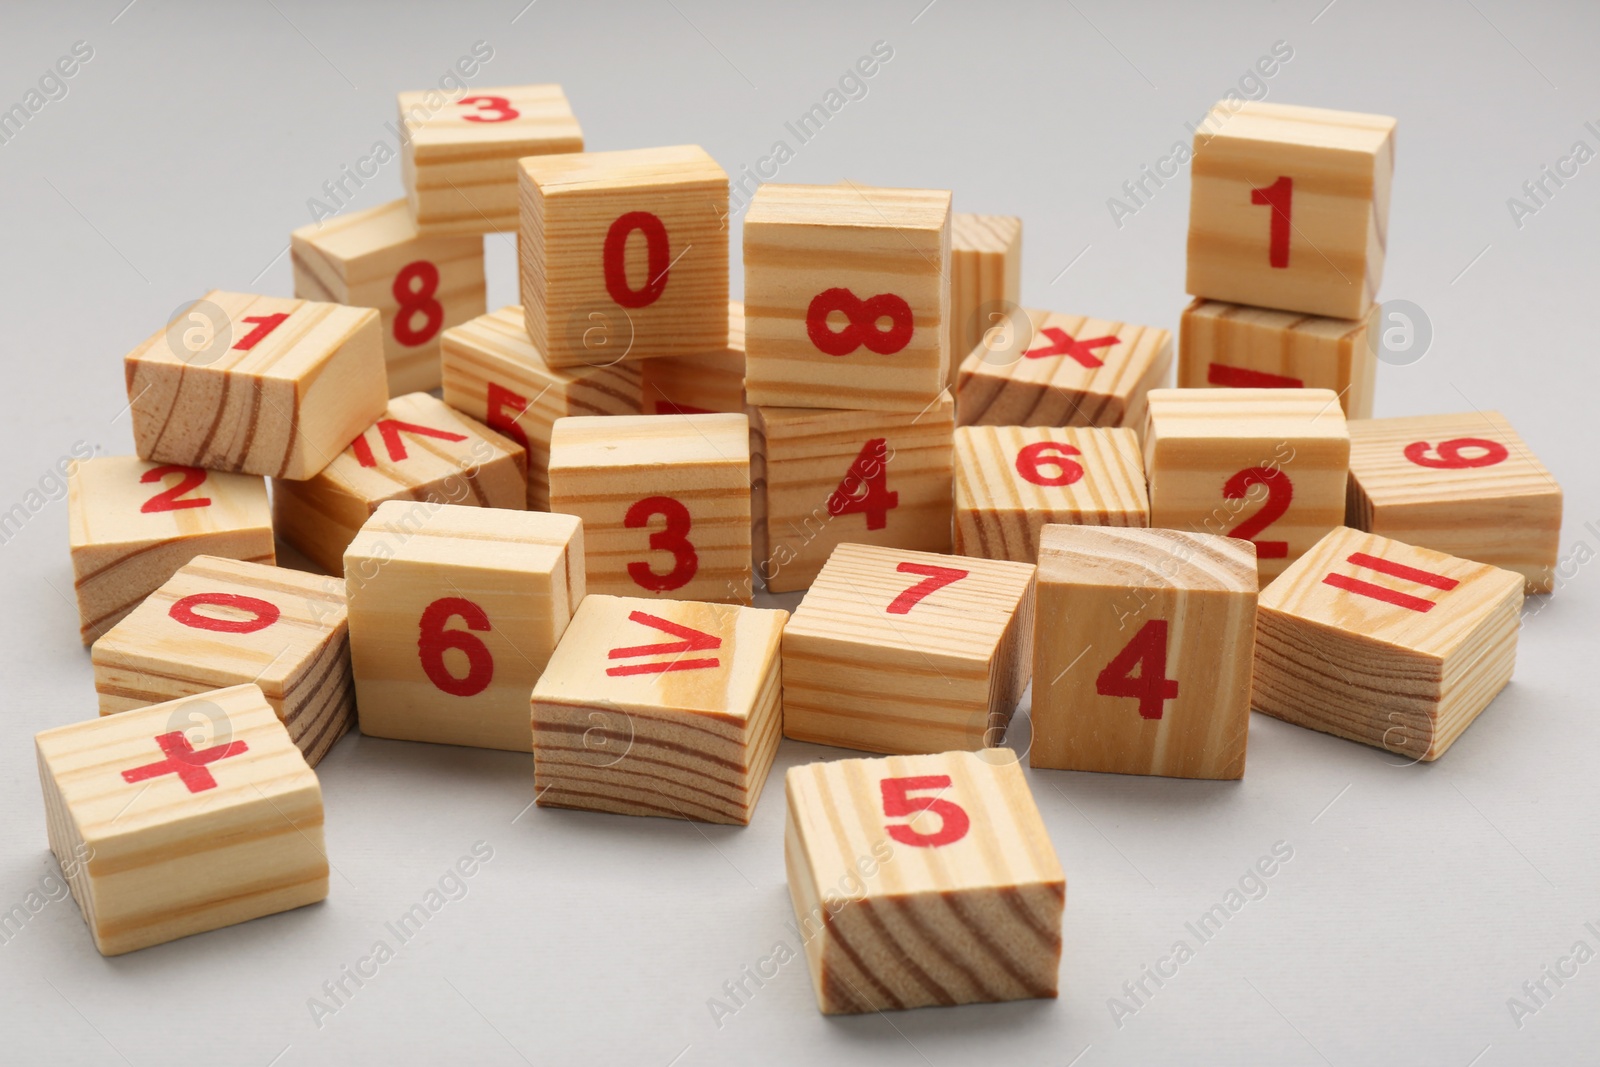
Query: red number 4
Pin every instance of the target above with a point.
(1148, 652)
(898, 802)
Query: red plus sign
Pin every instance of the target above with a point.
(185, 762)
(1066, 345)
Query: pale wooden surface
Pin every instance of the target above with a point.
(1408, 677)
(1185, 597)
(985, 271)
(801, 241)
(1484, 497)
(493, 372)
(944, 672)
(1197, 441)
(697, 385)
(499, 588)
(234, 837)
(299, 656)
(456, 461)
(129, 534)
(1001, 384)
(1341, 164)
(283, 406)
(667, 708)
(664, 499)
(803, 462)
(1012, 480)
(460, 159)
(889, 924)
(372, 259)
(569, 206)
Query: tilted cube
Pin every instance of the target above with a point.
(985, 278)
(699, 385)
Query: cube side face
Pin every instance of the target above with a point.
(985, 277)
(699, 385)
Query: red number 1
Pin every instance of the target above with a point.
(264, 324)
(1280, 197)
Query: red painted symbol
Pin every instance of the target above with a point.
(897, 801)
(1452, 454)
(390, 430)
(614, 265)
(185, 762)
(673, 537)
(1049, 453)
(690, 640)
(499, 105)
(1280, 197)
(1280, 494)
(1151, 686)
(1064, 344)
(264, 324)
(413, 290)
(864, 490)
(934, 579)
(167, 499)
(504, 409)
(264, 612)
(1394, 570)
(1245, 378)
(862, 329)
(434, 639)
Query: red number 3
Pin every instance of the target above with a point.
(674, 538)
(898, 802)
(503, 111)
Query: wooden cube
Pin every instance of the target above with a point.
(454, 612)
(847, 297)
(1145, 668)
(985, 277)
(624, 255)
(1012, 480)
(896, 651)
(493, 372)
(164, 832)
(222, 622)
(1384, 643)
(1062, 370)
(460, 156)
(922, 880)
(666, 708)
(1234, 346)
(257, 384)
(421, 449)
(1289, 207)
(822, 478)
(1264, 465)
(1462, 484)
(699, 385)
(134, 523)
(419, 285)
(664, 499)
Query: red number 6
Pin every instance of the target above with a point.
(1033, 456)
(433, 640)
(1451, 456)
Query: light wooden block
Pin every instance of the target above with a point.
(1289, 207)
(419, 285)
(1067, 370)
(699, 385)
(257, 384)
(1012, 480)
(1234, 346)
(666, 708)
(665, 503)
(134, 523)
(163, 831)
(985, 277)
(493, 372)
(822, 478)
(221, 622)
(922, 880)
(897, 651)
(1463, 484)
(454, 612)
(1384, 643)
(1145, 668)
(421, 449)
(1265, 465)
(847, 297)
(624, 255)
(460, 156)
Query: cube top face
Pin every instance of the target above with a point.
(824, 210)
(489, 540)
(1093, 474)
(269, 337)
(123, 500)
(1419, 460)
(643, 169)
(1104, 557)
(509, 121)
(718, 444)
(984, 233)
(349, 241)
(1257, 415)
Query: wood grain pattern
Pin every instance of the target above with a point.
(698, 385)
(129, 535)
(864, 669)
(889, 924)
(1012, 480)
(1404, 660)
(985, 270)
(220, 622)
(629, 720)
(151, 860)
(1181, 606)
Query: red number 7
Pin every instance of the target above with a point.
(953, 824)
(936, 578)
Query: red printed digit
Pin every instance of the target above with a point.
(689, 640)
(862, 328)
(504, 409)
(674, 538)
(1053, 453)
(1393, 570)
(414, 288)
(1064, 344)
(1280, 494)
(899, 803)
(390, 430)
(613, 258)
(264, 324)
(1151, 686)
(433, 640)
(1245, 378)
(490, 109)
(262, 613)
(1452, 453)
(934, 579)
(1280, 197)
(168, 499)
(864, 490)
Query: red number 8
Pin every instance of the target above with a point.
(863, 327)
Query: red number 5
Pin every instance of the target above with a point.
(673, 538)
(898, 802)
(433, 640)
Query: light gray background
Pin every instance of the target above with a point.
(1419, 898)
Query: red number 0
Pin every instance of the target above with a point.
(503, 111)
(1040, 452)
(897, 802)
(411, 301)
(673, 538)
(863, 326)
(264, 612)
(936, 578)
(167, 499)
(433, 640)
(1451, 457)
(657, 264)
(1280, 493)
(1152, 687)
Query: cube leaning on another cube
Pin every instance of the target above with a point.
(133, 523)
(256, 384)
(652, 707)
(922, 880)
(164, 832)
(1384, 643)
(985, 278)
(699, 385)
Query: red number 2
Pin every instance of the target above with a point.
(167, 499)
(1451, 453)
(897, 802)
(503, 111)
(1049, 452)
(673, 538)
(1280, 493)
(1152, 687)
(264, 324)
(433, 640)
(412, 300)
(935, 578)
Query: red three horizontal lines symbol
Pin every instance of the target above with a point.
(1394, 570)
(691, 641)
